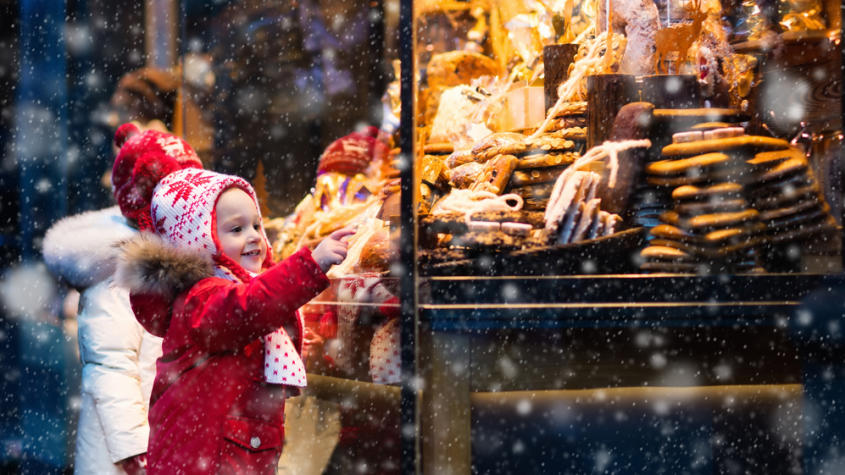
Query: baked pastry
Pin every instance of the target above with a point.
(458, 67)
(379, 253)
(454, 121)
(735, 198)
(495, 174)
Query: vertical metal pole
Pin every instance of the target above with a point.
(376, 73)
(161, 26)
(40, 134)
(841, 85)
(408, 241)
(40, 145)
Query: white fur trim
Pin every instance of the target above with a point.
(82, 249)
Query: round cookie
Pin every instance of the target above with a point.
(667, 259)
(571, 133)
(749, 142)
(773, 189)
(799, 226)
(788, 196)
(682, 166)
(711, 125)
(799, 207)
(695, 208)
(665, 253)
(701, 193)
(732, 172)
(567, 122)
(783, 170)
(720, 220)
(545, 144)
(775, 157)
(796, 220)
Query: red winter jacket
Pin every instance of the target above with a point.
(210, 411)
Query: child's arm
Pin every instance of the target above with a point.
(227, 316)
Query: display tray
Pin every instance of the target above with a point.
(605, 255)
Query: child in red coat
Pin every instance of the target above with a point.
(203, 279)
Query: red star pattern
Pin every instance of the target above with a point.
(282, 362)
(185, 186)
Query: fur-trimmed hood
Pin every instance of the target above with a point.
(158, 272)
(82, 249)
(150, 265)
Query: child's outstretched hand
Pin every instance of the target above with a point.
(332, 249)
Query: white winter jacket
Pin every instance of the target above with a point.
(118, 356)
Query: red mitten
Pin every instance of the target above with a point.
(328, 325)
(390, 308)
(136, 465)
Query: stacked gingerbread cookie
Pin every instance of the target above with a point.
(785, 192)
(545, 157)
(711, 227)
(570, 123)
(509, 162)
(732, 195)
(535, 177)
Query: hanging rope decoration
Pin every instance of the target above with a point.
(468, 202)
(593, 61)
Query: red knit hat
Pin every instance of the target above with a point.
(159, 182)
(352, 153)
(183, 212)
(143, 160)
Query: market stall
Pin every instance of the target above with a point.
(586, 208)
(629, 235)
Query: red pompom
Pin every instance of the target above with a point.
(124, 132)
(352, 153)
(143, 160)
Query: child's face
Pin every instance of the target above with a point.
(239, 229)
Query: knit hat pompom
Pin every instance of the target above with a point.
(353, 153)
(124, 132)
(143, 160)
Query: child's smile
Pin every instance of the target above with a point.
(239, 229)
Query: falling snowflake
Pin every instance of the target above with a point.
(27, 291)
